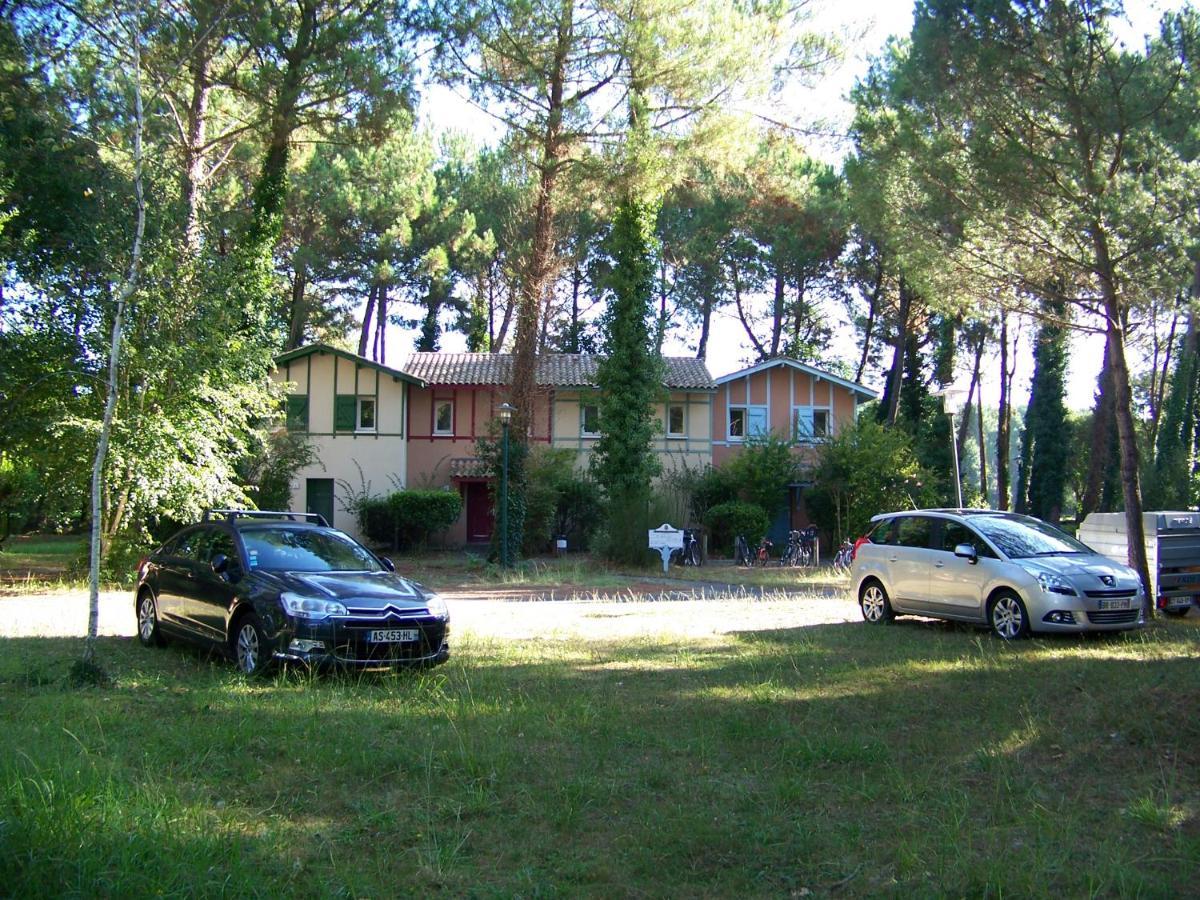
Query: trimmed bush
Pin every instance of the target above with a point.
(407, 519)
(726, 521)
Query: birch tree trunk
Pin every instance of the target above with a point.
(124, 292)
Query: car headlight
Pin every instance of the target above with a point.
(437, 606)
(1055, 584)
(310, 607)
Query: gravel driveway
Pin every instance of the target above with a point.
(503, 613)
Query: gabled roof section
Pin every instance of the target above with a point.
(322, 349)
(554, 370)
(854, 386)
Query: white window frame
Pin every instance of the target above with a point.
(358, 416)
(814, 438)
(437, 405)
(682, 432)
(749, 410)
(583, 408)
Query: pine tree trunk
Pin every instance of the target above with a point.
(193, 151)
(1123, 410)
(983, 478)
(298, 320)
(368, 322)
(896, 375)
(777, 315)
(868, 331)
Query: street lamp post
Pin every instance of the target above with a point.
(951, 397)
(505, 410)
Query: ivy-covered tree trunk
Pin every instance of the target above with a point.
(630, 383)
(630, 374)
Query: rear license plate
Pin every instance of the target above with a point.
(392, 635)
(1122, 603)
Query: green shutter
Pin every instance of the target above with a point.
(297, 412)
(345, 407)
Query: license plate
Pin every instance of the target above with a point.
(392, 635)
(1122, 603)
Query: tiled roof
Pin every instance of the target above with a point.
(554, 370)
(468, 467)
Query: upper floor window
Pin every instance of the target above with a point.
(747, 421)
(675, 420)
(297, 412)
(366, 414)
(590, 413)
(810, 423)
(443, 417)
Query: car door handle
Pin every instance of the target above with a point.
(939, 565)
(893, 558)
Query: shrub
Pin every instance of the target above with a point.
(727, 520)
(559, 501)
(406, 519)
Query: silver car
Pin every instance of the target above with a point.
(1013, 573)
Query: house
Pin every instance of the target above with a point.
(790, 399)
(355, 413)
(460, 395)
(376, 429)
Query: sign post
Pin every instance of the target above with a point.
(666, 539)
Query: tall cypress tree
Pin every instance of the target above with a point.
(1174, 453)
(1044, 447)
(630, 375)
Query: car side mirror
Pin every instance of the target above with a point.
(967, 552)
(388, 564)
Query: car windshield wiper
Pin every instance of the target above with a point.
(1059, 553)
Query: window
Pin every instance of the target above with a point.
(747, 421)
(915, 531)
(675, 420)
(443, 417)
(810, 423)
(954, 534)
(366, 414)
(297, 412)
(591, 420)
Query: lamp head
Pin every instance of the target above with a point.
(505, 410)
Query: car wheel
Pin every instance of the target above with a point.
(147, 621)
(251, 649)
(1008, 617)
(876, 607)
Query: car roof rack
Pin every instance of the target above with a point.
(232, 515)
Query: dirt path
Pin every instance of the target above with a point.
(507, 612)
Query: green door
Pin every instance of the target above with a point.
(319, 492)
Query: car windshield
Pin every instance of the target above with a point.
(306, 550)
(1023, 538)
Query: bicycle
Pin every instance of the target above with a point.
(843, 557)
(792, 553)
(763, 555)
(689, 553)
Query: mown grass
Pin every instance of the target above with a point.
(37, 563)
(917, 759)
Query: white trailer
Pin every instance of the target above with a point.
(1172, 552)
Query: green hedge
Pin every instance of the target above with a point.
(726, 521)
(408, 519)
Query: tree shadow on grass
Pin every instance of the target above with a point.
(758, 765)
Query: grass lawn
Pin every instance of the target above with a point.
(36, 560)
(916, 759)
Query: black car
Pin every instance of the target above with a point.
(268, 586)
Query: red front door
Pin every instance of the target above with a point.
(479, 512)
